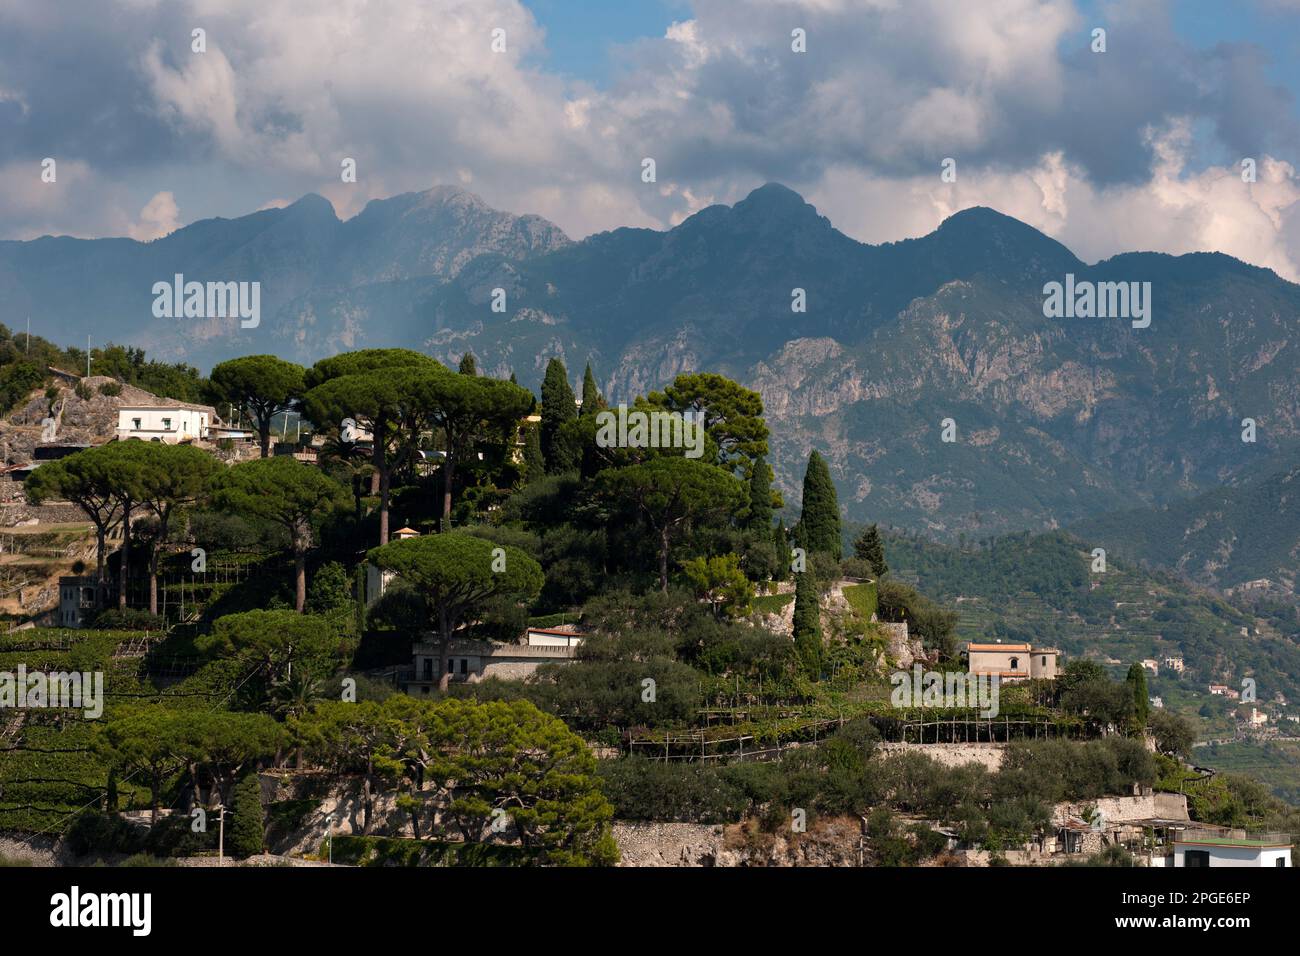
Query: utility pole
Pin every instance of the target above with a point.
(221, 834)
(329, 823)
(87, 356)
(29, 335)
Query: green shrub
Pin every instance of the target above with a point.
(248, 826)
(95, 832)
(130, 619)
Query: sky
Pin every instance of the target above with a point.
(1139, 147)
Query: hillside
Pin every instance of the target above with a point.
(1040, 588)
(1225, 537)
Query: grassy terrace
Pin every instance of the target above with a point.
(862, 598)
(48, 766)
(772, 603)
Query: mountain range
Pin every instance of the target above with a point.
(1057, 422)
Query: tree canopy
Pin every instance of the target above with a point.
(261, 386)
(456, 574)
(287, 492)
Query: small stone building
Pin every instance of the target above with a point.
(76, 600)
(1012, 662)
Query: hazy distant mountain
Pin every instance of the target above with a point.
(326, 284)
(1057, 419)
(1225, 537)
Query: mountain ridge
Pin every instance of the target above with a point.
(1057, 420)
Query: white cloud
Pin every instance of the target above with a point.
(159, 217)
(1041, 129)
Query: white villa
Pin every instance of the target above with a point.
(1201, 848)
(170, 424)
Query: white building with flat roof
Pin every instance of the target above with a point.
(170, 424)
(1200, 848)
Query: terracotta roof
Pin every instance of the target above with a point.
(999, 647)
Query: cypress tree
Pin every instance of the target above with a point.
(760, 497)
(781, 542)
(534, 463)
(592, 401)
(557, 408)
(1137, 681)
(247, 828)
(819, 524)
(467, 364)
(807, 625)
(871, 549)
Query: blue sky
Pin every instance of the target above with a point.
(582, 35)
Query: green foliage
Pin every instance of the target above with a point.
(355, 850)
(457, 574)
(130, 366)
(819, 523)
(732, 416)
(286, 492)
(534, 461)
(759, 516)
(870, 548)
(131, 619)
(862, 598)
(276, 643)
(558, 408)
(671, 493)
(592, 400)
(1137, 686)
(936, 626)
(468, 763)
(720, 582)
(330, 589)
(248, 823)
(807, 625)
(261, 386)
(17, 381)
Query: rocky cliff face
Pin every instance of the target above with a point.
(91, 420)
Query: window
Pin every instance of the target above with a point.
(451, 666)
(1196, 858)
(167, 424)
(1280, 861)
(1044, 660)
(464, 665)
(135, 423)
(1015, 663)
(428, 668)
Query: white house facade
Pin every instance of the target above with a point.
(170, 424)
(1198, 849)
